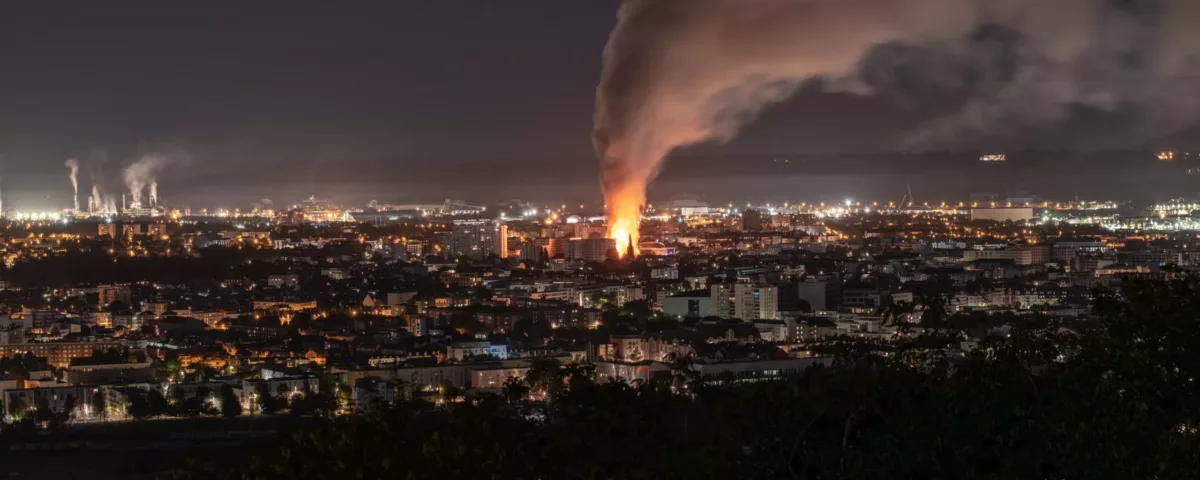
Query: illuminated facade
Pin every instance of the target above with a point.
(58, 355)
(755, 302)
(479, 238)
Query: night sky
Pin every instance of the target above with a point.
(407, 101)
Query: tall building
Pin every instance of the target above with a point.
(114, 293)
(590, 249)
(755, 302)
(109, 229)
(752, 220)
(502, 241)
(479, 238)
(722, 300)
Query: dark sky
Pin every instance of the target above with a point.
(375, 98)
(408, 100)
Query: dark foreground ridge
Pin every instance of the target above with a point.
(1118, 401)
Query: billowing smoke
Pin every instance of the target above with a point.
(681, 72)
(100, 202)
(141, 175)
(73, 165)
(96, 201)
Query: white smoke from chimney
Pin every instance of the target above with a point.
(141, 175)
(95, 201)
(73, 164)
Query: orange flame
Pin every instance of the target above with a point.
(623, 212)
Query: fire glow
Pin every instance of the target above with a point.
(623, 212)
(622, 234)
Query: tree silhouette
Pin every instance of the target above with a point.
(139, 407)
(69, 405)
(157, 403)
(515, 390)
(230, 405)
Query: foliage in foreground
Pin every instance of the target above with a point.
(1118, 402)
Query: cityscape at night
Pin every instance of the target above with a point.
(601, 239)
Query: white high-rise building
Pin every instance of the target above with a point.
(479, 238)
(755, 302)
(502, 241)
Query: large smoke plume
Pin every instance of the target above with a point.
(73, 165)
(681, 72)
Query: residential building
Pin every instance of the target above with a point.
(590, 249)
(755, 302)
(372, 393)
(478, 238)
(115, 293)
(57, 354)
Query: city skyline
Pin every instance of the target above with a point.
(736, 239)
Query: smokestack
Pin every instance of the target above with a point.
(142, 174)
(94, 201)
(682, 72)
(72, 164)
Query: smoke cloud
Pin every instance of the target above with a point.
(141, 175)
(681, 72)
(73, 165)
